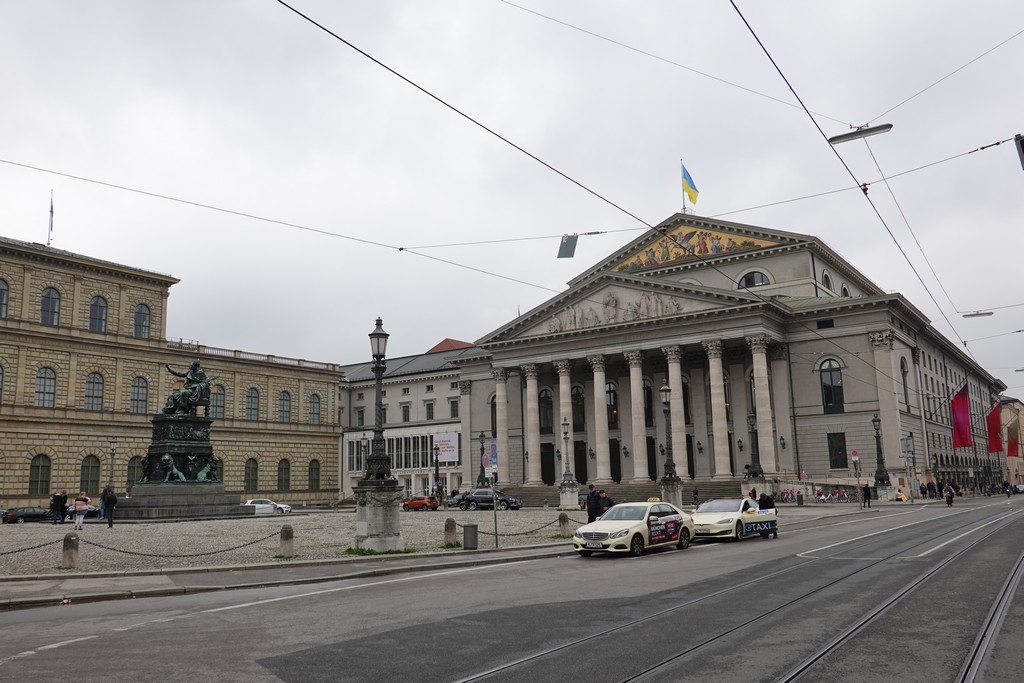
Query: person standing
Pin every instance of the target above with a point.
(948, 493)
(605, 501)
(109, 499)
(593, 503)
(63, 505)
(866, 492)
(81, 507)
(56, 508)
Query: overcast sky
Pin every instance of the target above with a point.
(248, 107)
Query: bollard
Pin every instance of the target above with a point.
(469, 537)
(563, 525)
(545, 505)
(799, 498)
(69, 559)
(449, 533)
(287, 541)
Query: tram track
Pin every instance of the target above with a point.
(665, 664)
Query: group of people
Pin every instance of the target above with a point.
(598, 503)
(80, 506)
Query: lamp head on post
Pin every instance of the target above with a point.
(666, 394)
(876, 423)
(565, 428)
(378, 341)
(739, 444)
(751, 422)
(782, 441)
(113, 444)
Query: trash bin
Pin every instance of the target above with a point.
(799, 499)
(469, 537)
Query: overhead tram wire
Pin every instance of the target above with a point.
(849, 171)
(667, 61)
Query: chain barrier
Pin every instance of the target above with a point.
(41, 545)
(212, 552)
(521, 533)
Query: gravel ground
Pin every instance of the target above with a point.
(35, 548)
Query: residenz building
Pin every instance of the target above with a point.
(775, 355)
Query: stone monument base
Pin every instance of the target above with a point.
(378, 525)
(672, 490)
(180, 501)
(568, 496)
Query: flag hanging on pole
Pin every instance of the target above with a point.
(689, 187)
(1013, 438)
(995, 429)
(960, 407)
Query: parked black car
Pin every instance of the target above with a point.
(27, 514)
(455, 500)
(93, 511)
(483, 500)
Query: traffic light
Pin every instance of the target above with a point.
(1018, 142)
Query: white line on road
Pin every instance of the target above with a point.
(53, 646)
(956, 538)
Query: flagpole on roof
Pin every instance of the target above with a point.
(682, 185)
(49, 233)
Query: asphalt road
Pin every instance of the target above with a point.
(720, 611)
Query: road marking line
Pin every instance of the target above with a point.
(857, 538)
(53, 646)
(956, 538)
(363, 585)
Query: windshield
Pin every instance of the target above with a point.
(723, 505)
(625, 512)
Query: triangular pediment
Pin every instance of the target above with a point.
(613, 300)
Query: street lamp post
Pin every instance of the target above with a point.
(671, 484)
(481, 480)
(110, 471)
(567, 477)
(437, 472)
(881, 475)
(378, 467)
(568, 491)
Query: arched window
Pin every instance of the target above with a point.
(134, 469)
(217, 400)
(826, 281)
(284, 407)
(753, 279)
(39, 476)
(142, 321)
(4, 292)
(906, 388)
(648, 403)
(831, 386)
(90, 479)
(252, 404)
(139, 404)
(98, 314)
(579, 410)
(94, 391)
(611, 396)
(846, 291)
(314, 475)
(546, 405)
(46, 388)
(284, 475)
(314, 409)
(49, 309)
(252, 476)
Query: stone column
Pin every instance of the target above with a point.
(533, 477)
(638, 428)
(719, 416)
(675, 407)
(698, 404)
(604, 466)
(470, 464)
(763, 404)
(786, 455)
(564, 368)
(501, 408)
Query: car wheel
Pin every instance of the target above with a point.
(405, 507)
(281, 510)
(502, 505)
(636, 545)
(21, 520)
(463, 507)
(739, 531)
(684, 539)
(585, 553)
(473, 505)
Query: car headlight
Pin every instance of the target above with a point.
(724, 520)
(577, 534)
(619, 534)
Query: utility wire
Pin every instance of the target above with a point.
(666, 61)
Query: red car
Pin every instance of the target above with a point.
(421, 503)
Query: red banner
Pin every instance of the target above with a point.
(1013, 439)
(995, 429)
(960, 407)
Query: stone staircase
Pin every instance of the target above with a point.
(538, 496)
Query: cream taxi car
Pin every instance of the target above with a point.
(734, 518)
(634, 527)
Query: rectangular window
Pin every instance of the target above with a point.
(217, 403)
(405, 391)
(837, 451)
(383, 415)
(454, 385)
(430, 387)
(405, 413)
(825, 324)
(360, 417)
(453, 409)
(430, 410)
(359, 396)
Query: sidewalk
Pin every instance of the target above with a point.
(29, 591)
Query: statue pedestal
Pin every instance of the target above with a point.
(378, 526)
(568, 496)
(672, 490)
(189, 500)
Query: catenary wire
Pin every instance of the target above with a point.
(666, 60)
(849, 171)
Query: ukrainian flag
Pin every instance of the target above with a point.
(689, 187)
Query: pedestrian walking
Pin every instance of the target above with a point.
(593, 503)
(866, 503)
(948, 492)
(81, 507)
(109, 499)
(696, 498)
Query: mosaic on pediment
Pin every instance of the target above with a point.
(684, 244)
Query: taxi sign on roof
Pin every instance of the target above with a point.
(654, 500)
